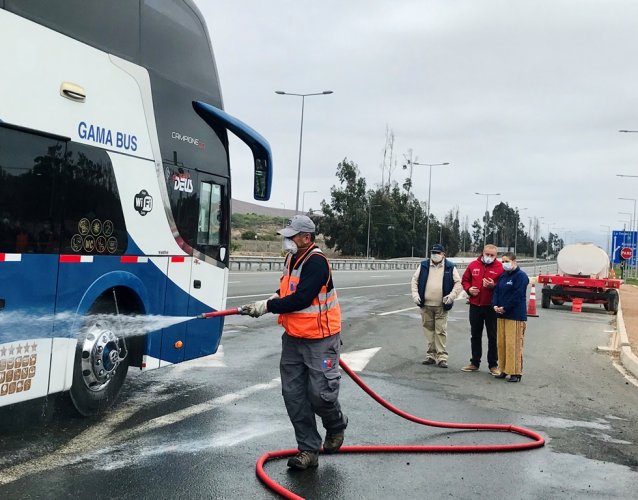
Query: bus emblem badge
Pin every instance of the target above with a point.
(143, 202)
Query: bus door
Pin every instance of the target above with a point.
(29, 246)
(209, 275)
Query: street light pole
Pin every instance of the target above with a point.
(303, 200)
(369, 215)
(487, 197)
(608, 239)
(634, 227)
(518, 219)
(303, 101)
(427, 216)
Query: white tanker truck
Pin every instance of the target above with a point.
(583, 273)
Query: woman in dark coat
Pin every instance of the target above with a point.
(510, 304)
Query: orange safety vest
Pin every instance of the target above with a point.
(322, 318)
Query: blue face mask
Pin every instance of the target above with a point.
(507, 266)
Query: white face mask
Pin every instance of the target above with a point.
(507, 266)
(290, 246)
(436, 257)
(488, 260)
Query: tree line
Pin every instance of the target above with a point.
(389, 222)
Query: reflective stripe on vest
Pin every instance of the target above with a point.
(322, 318)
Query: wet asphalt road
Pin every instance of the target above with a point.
(196, 430)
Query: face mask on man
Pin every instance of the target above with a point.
(487, 259)
(507, 266)
(436, 257)
(290, 246)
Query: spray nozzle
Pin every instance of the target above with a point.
(224, 312)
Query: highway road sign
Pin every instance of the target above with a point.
(620, 240)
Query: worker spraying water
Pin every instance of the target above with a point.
(309, 312)
(310, 315)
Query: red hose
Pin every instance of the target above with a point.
(223, 312)
(537, 442)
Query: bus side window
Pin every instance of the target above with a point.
(29, 197)
(93, 218)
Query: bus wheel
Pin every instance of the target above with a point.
(100, 365)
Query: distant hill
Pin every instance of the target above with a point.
(244, 207)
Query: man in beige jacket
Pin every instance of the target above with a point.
(435, 286)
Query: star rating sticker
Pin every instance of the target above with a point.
(11, 350)
(3, 351)
(19, 349)
(26, 348)
(34, 346)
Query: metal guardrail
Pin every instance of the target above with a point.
(248, 263)
(255, 263)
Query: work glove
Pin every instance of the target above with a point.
(255, 309)
(448, 299)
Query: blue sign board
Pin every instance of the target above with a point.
(620, 240)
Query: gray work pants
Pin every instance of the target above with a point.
(310, 381)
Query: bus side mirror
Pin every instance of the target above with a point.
(262, 177)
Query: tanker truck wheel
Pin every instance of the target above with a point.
(558, 302)
(612, 301)
(101, 360)
(545, 297)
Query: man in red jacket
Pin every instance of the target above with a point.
(479, 280)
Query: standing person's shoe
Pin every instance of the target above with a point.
(501, 375)
(443, 364)
(470, 368)
(514, 378)
(333, 442)
(303, 460)
(429, 361)
(495, 371)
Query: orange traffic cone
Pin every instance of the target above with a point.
(531, 305)
(577, 305)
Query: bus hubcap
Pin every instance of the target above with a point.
(102, 352)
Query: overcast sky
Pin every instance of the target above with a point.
(523, 98)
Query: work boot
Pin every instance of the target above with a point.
(303, 460)
(470, 368)
(443, 364)
(333, 442)
(429, 361)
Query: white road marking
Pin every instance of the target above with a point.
(249, 296)
(233, 282)
(338, 289)
(84, 444)
(370, 286)
(395, 312)
(357, 360)
(191, 411)
(625, 373)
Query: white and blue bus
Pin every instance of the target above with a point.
(115, 192)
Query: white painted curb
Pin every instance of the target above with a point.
(628, 359)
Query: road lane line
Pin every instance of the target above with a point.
(396, 312)
(357, 360)
(103, 432)
(338, 289)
